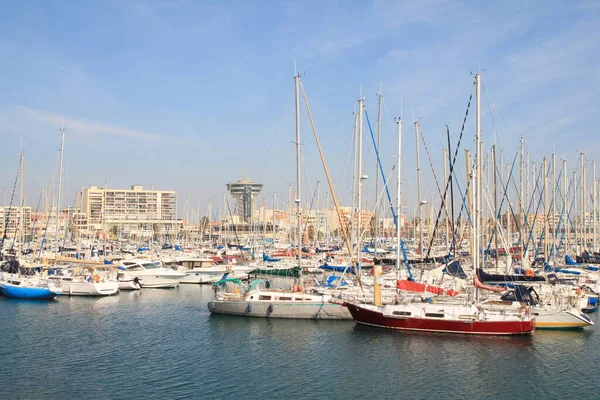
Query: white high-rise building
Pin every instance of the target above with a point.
(136, 211)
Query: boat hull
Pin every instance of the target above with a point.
(375, 318)
(86, 288)
(560, 320)
(308, 310)
(196, 277)
(33, 293)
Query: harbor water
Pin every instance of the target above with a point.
(165, 344)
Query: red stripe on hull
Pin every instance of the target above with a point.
(377, 319)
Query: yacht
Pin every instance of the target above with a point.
(150, 275)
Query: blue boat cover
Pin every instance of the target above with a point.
(455, 269)
(569, 260)
(269, 259)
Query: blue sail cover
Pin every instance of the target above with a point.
(569, 260)
(269, 259)
(455, 269)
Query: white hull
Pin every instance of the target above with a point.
(203, 275)
(274, 304)
(129, 285)
(90, 288)
(560, 319)
(160, 281)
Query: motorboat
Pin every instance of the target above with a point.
(201, 270)
(151, 275)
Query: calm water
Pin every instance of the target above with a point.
(165, 344)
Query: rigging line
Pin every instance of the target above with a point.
(235, 230)
(36, 219)
(437, 184)
(287, 102)
(6, 218)
(349, 146)
(504, 196)
(343, 226)
(450, 175)
(387, 190)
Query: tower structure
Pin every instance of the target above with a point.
(244, 191)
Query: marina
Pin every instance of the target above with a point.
(165, 343)
(299, 200)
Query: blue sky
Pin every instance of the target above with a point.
(180, 94)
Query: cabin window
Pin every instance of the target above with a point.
(434, 315)
(285, 298)
(402, 313)
(264, 297)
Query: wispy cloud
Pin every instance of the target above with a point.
(89, 127)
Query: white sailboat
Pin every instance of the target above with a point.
(279, 303)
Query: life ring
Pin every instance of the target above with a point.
(578, 291)
(96, 278)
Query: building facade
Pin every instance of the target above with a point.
(135, 212)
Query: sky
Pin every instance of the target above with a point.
(191, 95)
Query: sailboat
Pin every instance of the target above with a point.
(18, 280)
(449, 317)
(280, 303)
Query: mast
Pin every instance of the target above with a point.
(360, 179)
(355, 179)
(399, 195)
(554, 184)
(444, 158)
(582, 236)
(21, 202)
(60, 176)
(594, 204)
(495, 203)
(545, 175)
(376, 216)
(522, 199)
(565, 207)
(468, 195)
(420, 199)
(477, 176)
(298, 207)
(273, 218)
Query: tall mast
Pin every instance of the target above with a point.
(298, 197)
(445, 158)
(594, 204)
(360, 179)
(376, 216)
(565, 206)
(21, 202)
(545, 176)
(60, 176)
(496, 233)
(582, 212)
(522, 199)
(399, 195)
(469, 196)
(273, 218)
(554, 184)
(419, 191)
(477, 176)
